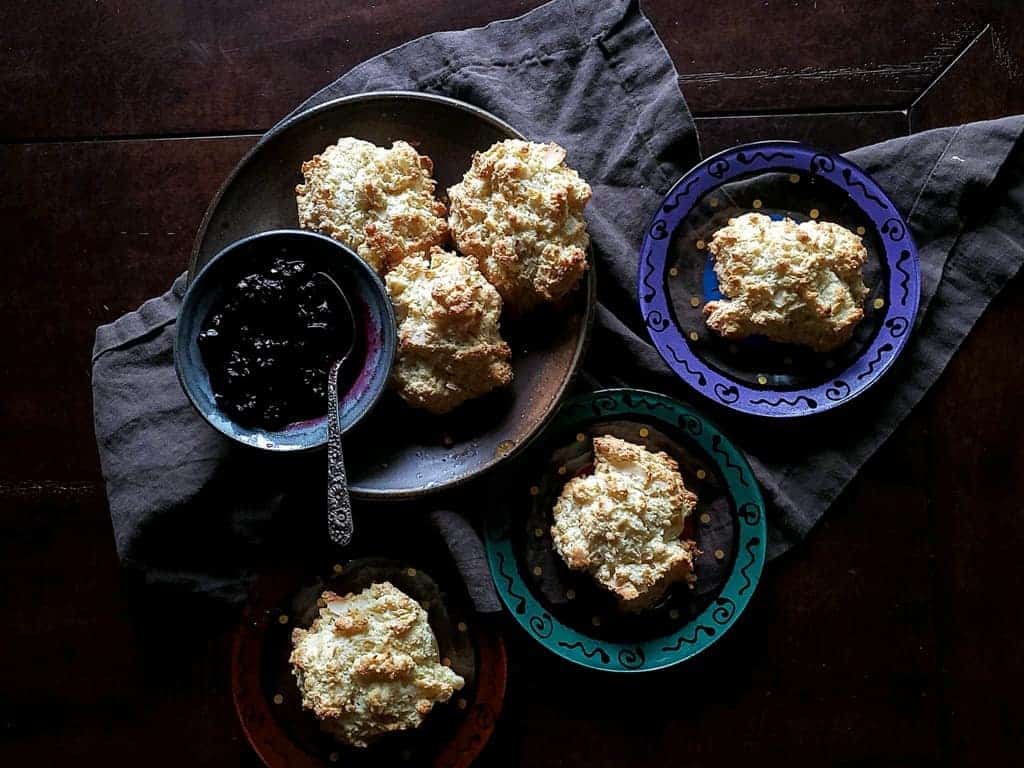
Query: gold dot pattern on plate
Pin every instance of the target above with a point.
(794, 178)
(674, 272)
(534, 490)
(596, 621)
(713, 202)
(701, 474)
(705, 518)
(561, 470)
(644, 431)
(278, 698)
(504, 448)
(757, 204)
(282, 619)
(463, 627)
(446, 661)
(334, 757)
(580, 437)
(762, 379)
(538, 571)
(673, 614)
(538, 532)
(461, 703)
(694, 336)
(878, 303)
(719, 554)
(700, 245)
(337, 568)
(861, 230)
(694, 301)
(410, 572)
(570, 594)
(815, 213)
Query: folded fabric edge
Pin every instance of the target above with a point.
(151, 316)
(589, 19)
(467, 550)
(660, 125)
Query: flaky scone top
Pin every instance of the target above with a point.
(794, 283)
(369, 665)
(380, 202)
(449, 337)
(624, 522)
(519, 212)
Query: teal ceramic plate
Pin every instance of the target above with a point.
(566, 611)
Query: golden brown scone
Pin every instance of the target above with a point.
(624, 523)
(519, 212)
(449, 342)
(369, 665)
(379, 202)
(794, 283)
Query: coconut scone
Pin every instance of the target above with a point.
(794, 283)
(379, 202)
(624, 522)
(369, 665)
(449, 338)
(519, 212)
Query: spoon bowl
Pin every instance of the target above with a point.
(348, 322)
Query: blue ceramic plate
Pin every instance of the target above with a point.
(363, 377)
(566, 611)
(676, 279)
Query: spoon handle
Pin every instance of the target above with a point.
(339, 505)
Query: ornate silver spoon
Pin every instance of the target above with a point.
(339, 505)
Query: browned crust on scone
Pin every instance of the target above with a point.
(793, 283)
(519, 212)
(450, 348)
(623, 524)
(379, 202)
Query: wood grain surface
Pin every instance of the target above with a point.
(890, 637)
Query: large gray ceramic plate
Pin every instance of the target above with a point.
(397, 452)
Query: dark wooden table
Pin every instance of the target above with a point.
(891, 637)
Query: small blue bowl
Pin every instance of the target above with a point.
(364, 375)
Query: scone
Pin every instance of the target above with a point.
(519, 212)
(794, 283)
(449, 341)
(379, 202)
(624, 523)
(369, 665)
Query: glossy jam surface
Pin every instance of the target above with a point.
(269, 342)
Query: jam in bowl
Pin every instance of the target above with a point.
(258, 331)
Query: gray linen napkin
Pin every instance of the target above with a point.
(594, 77)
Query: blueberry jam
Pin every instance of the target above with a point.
(269, 342)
